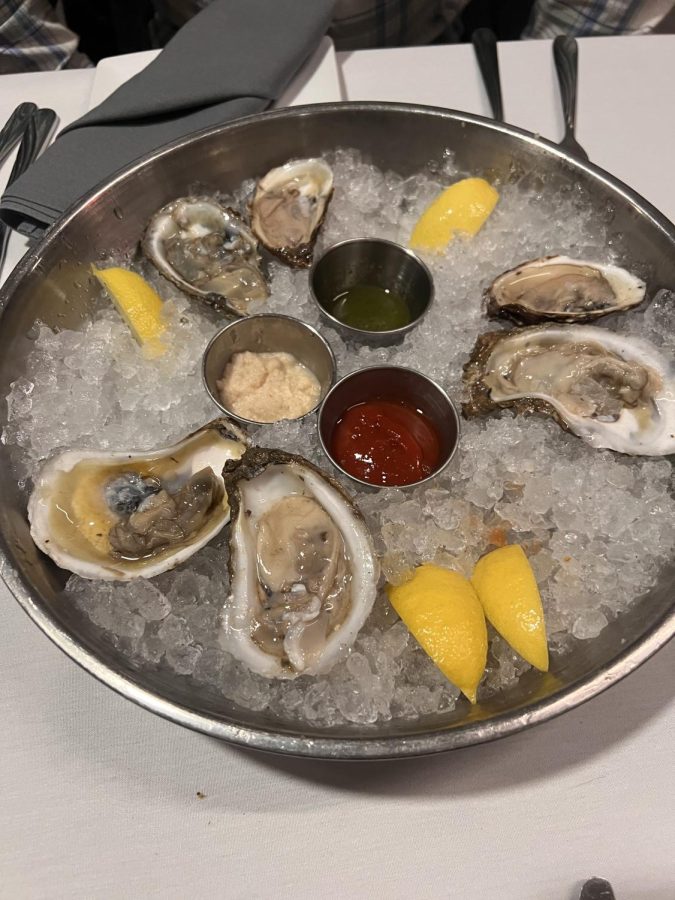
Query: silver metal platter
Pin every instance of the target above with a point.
(51, 284)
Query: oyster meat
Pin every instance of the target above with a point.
(207, 250)
(121, 515)
(303, 568)
(615, 392)
(561, 289)
(288, 207)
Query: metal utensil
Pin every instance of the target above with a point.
(37, 133)
(565, 54)
(14, 127)
(597, 889)
(485, 44)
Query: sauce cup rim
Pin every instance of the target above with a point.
(304, 325)
(359, 332)
(369, 484)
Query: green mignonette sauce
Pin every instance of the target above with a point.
(371, 308)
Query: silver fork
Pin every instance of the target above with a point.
(565, 54)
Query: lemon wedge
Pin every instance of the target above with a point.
(462, 208)
(441, 610)
(507, 588)
(139, 305)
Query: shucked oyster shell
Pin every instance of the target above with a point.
(615, 392)
(207, 250)
(561, 289)
(288, 208)
(303, 568)
(118, 516)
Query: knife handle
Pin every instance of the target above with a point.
(14, 128)
(38, 132)
(485, 44)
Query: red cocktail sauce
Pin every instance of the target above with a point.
(386, 442)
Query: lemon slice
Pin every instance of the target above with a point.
(139, 305)
(462, 208)
(506, 586)
(441, 610)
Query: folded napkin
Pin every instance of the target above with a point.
(233, 59)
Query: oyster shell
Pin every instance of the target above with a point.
(288, 208)
(118, 516)
(615, 392)
(207, 250)
(303, 568)
(561, 289)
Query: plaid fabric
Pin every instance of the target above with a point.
(32, 37)
(595, 17)
(386, 23)
(359, 24)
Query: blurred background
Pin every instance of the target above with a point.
(53, 34)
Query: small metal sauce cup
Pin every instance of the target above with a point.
(267, 333)
(391, 383)
(376, 262)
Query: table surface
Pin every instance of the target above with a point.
(101, 799)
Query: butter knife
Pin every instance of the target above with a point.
(485, 44)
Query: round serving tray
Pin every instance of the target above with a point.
(52, 284)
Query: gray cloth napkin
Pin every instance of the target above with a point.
(233, 59)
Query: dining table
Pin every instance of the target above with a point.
(101, 799)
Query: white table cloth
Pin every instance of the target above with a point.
(99, 799)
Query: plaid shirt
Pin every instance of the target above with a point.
(595, 17)
(383, 23)
(358, 24)
(32, 37)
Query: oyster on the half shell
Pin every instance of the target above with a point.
(561, 289)
(288, 208)
(207, 250)
(303, 568)
(118, 516)
(615, 392)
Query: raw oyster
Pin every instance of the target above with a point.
(208, 251)
(561, 289)
(614, 391)
(288, 207)
(117, 516)
(303, 568)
